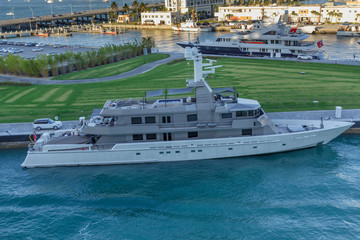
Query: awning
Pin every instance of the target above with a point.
(175, 91)
(227, 89)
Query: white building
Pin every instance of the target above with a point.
(303, 13)
(185, 6)
(343, 13)
(242, 13)
(159, 18)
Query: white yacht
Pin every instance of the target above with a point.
(275, 40)
(215, 124)
(348, 30)
(191, 26)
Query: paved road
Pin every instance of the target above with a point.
(137, 71)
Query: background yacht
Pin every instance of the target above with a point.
(275, 40)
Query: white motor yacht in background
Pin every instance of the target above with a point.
(348, 30)
(191, 26)
(215, 124)
(275, 40)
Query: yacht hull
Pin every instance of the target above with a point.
(235, 51)
(171, 151)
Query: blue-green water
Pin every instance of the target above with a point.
(307, 194)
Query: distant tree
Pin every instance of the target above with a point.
(357, 17)
(331, 15)
(317, 14)
(142, 7)
(126, 9)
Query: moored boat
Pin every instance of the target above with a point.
(214, 124)
(191, 26)
(111, 32)
(42, 34)
(275, 40)
(348, 30)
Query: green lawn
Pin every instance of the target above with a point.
(278, 85)
(112, 69)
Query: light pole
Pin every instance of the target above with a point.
(71, 9)
(51, 9)
(90, 4)
(32, 14)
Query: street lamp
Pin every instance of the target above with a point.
(90, 4)
(32, 13)
(71, 9)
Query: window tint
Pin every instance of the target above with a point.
(136, 120)
(137, 137)
(226, 115)
(192, 117)
(192, 134)
(151, 136)
(247, 132)
(149, 119)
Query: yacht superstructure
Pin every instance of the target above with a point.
(275, 40)
(216, 123)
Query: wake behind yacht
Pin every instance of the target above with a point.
(214, 124)
(275, 40)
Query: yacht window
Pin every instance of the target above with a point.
(167, 137)
(166, 119)
(251, 113)
(247, 132)
(137, 137)
(226, 115)
(241, 113)
(136, 120)
(192, 134)
(192, 117)
(150, 120)
(151, 136)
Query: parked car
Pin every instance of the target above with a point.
(37, 49)
(40, 45)
(304, 57)
(46, 123)
(30, 44)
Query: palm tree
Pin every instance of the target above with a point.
(126, 8)
(135, 7)
(114, 6)
(357, 17)
(331, 14)
(338, 16)
(315, 13)
(142, 7)
(114, 11)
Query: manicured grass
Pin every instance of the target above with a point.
(278, 85)
(112, 69)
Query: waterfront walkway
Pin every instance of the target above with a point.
(137, 71)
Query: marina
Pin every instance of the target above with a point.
(233, 190)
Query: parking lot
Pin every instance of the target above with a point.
(31, 50)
